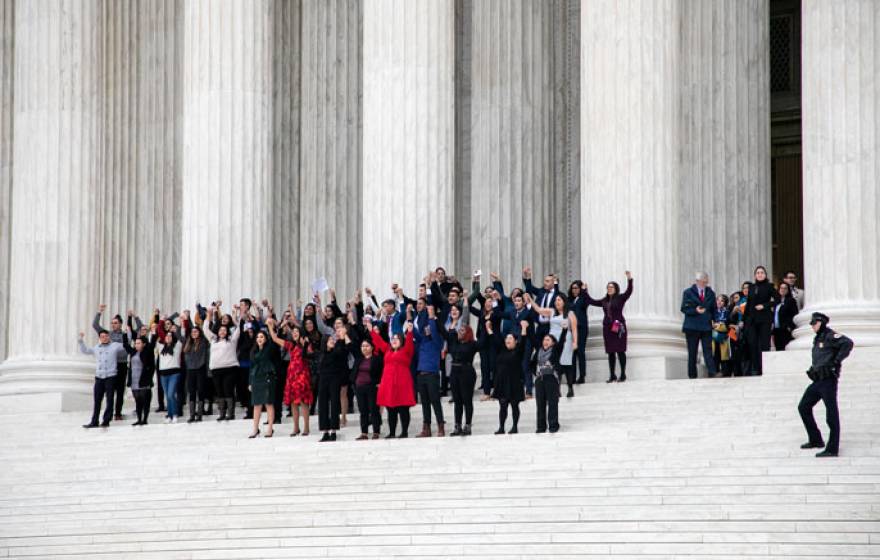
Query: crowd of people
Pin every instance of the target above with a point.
(734, 330)
(386, 355)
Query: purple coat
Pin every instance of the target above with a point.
(613, 309)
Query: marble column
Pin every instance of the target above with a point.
(286, 153)
(630, 167)
(841, 151)
(408, 140)
(7, 65)
(57, 177)
(141, 204)
(330, 185)
(725, 138)
(522, 175)
(227, 150)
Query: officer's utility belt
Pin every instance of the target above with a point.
(821, 373)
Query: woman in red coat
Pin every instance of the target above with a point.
(396, 388)
(614, 323)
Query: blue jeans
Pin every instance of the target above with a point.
(169, 385)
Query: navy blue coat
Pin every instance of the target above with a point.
(690, 300)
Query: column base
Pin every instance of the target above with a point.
(655, 350)
(639, 368)
(859, 321)
(51, 384)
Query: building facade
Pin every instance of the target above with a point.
(154, 152)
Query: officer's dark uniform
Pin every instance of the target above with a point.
(829, 350)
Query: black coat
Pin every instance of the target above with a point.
(376, 363)
(508, 382)
(760, 293)
(148, 359)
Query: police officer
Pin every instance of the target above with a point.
(829, 350)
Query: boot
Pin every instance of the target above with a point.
(612, 378)
(210, 411)
(221, 408)
(230, 409)
(441, 429)
(192, 412)
(200, 410)
(622, 376)
(466, 431)
(457, 431)
(426, 431)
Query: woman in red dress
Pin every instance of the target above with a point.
(298, 389)
(396, 388)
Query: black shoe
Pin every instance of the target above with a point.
(466, 431)
(199, 418)
(622, 378)
(161, 409)
(138, 423)
(539, 431)
(333, 436)
(105, 424)
(457, 431)
(553, 430)
(581, 380)
(325, 437)
(231, 417)
(570, 393)
(513, 430)
(253, 435)
(222, 417)
(826, 453)
(811, 445)
(90, 425)
(191, 420)
(403, 435)
(499, 432)
(389, 436)
(611, 379)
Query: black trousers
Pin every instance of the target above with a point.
(119, 386)
(826, 391)
(487, 366)
(278, 397)
(243, 394)
(394, 413)
(462, 379)
(781, 338)
(758, 341)
(502, 413)
(581, 354)
(547, 401)
(429, 396)
(224, 382)
(367, 407)
(103, 388)
(694, 340)
(142, 400)
(328, 402)
(196, 382)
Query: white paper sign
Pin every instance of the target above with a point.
(320, 285)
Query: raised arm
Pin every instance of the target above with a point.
(275, 338)
(82, 345)
(629, 286)
(96, 324)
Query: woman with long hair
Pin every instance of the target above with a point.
(366, 374)
(143, 363)
(561, 318)
(169, 371)
(261, 383)
(396, 391)
(759, 318)
(316, 342)
(195, 357)
(545, 365)
(334, 368)
(298, 387)
(223, 363)
(578, 305)
(461, 347)
(614, 323)
(783, 317)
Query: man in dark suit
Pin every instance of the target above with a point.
(544, 297)
(698, 306)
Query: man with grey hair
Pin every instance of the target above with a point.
(698, 306)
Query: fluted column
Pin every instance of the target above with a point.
(286, 152)
(725, 139)
(841, 143)
(330, 195)
(630, 163)
(520, 181)
(227, 150)
(408, 124)
(56, 204)
(7, 64)
(141, 203)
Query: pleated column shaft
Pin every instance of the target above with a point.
(142, 200)
(7, 65)
(330, 196)
(725, 130)
(57, 181)
(521, 171)
(286, 153)
(630, 161)
(841, 147)
(227, 150)
(408, 125)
